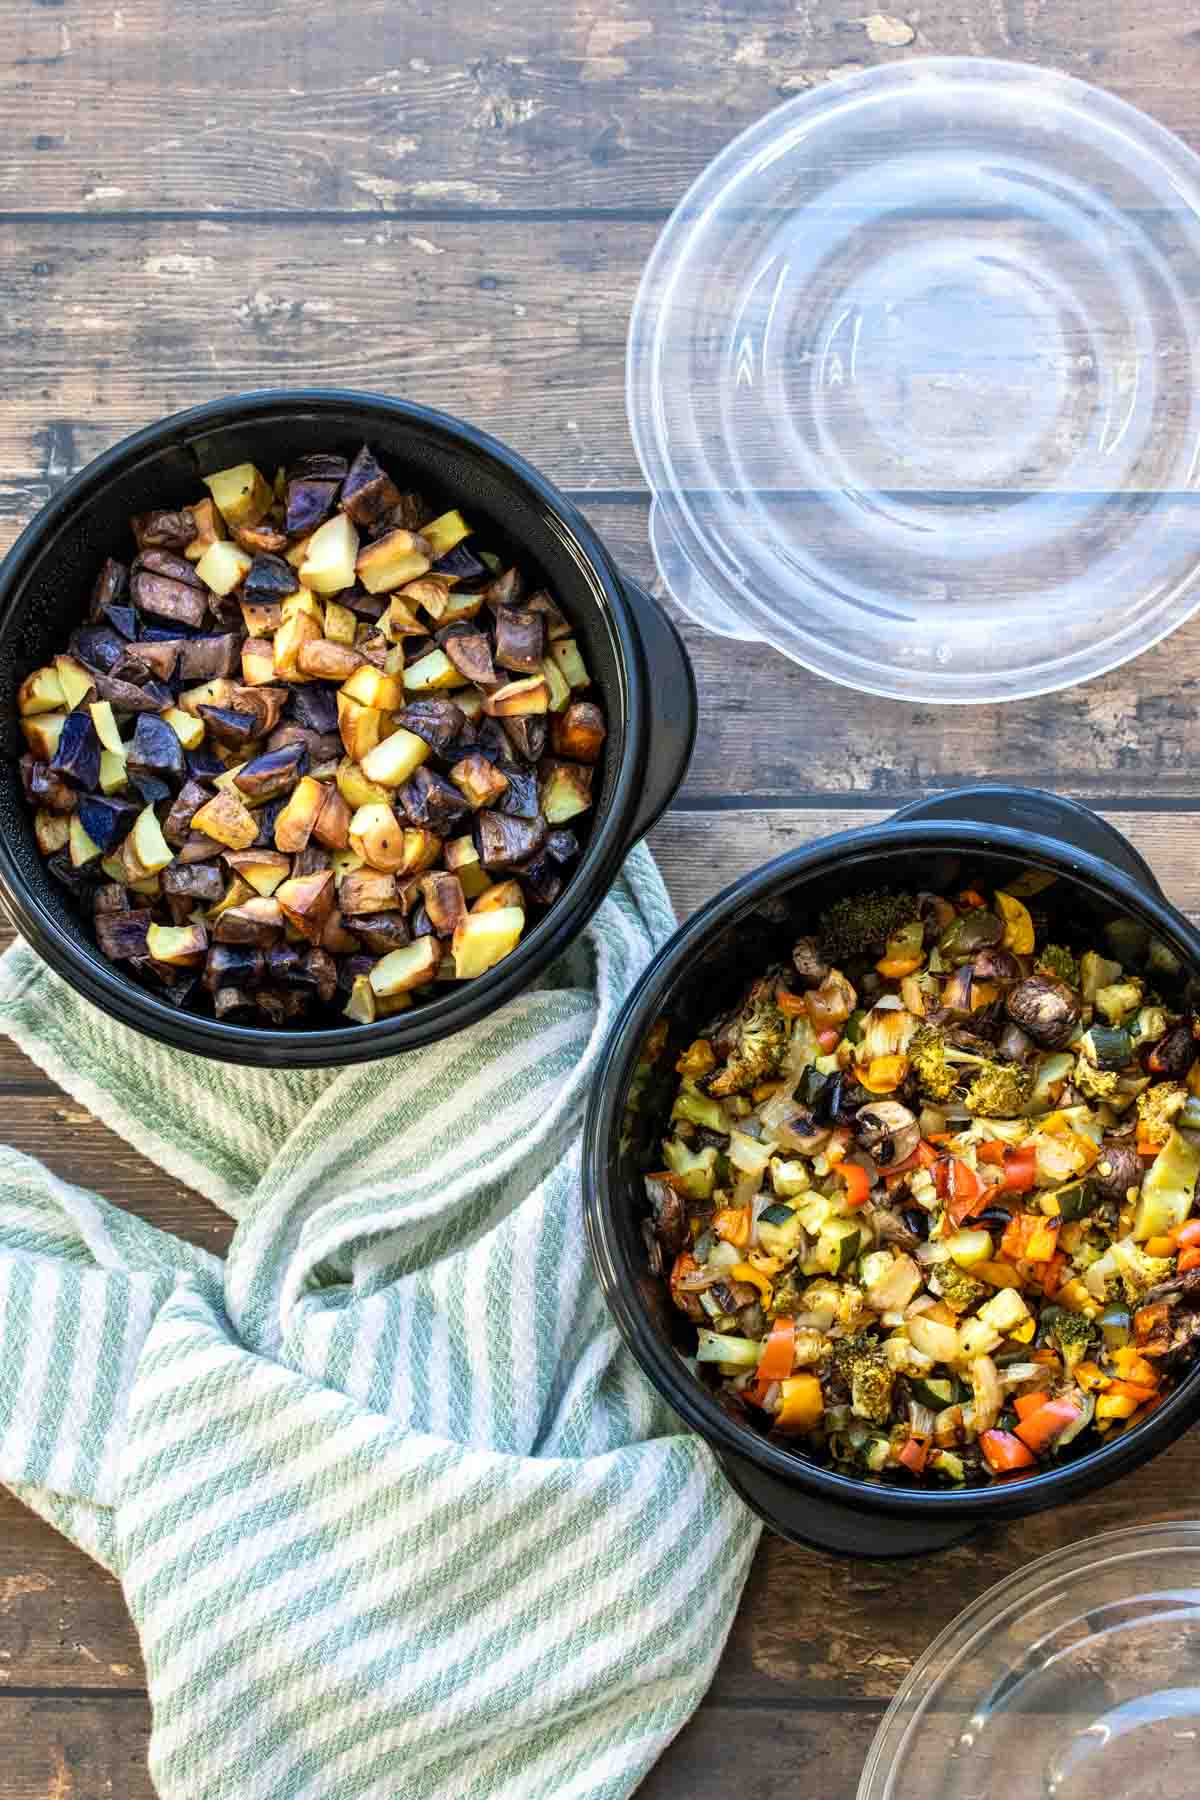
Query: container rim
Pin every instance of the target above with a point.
(663, 1367)
(81, 964)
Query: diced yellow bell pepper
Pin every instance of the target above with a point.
(1043, 1242)
(733, 1224)
(1021, 1334)
(1193, 1078)
(801, 1403)
(884, 1073)
(1018, 926)
(1160, 1246)
(1075, 1297)
(1091, 1378)
(1115, 1406)
(997, 1274)
(1133, 1366)
(698, 1059)
(745, 1271)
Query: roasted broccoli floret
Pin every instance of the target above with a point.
(863, 922)
(927, 1058)
(998, 1091)
(1071, 1333)
(1139, 1272)
(759, 1039)
(1058, 961)
(959, 1290)
(862, 1363)
(1158, 1106)
(1096, 1084)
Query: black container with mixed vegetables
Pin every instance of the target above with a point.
(314, 751)
(927, 1195)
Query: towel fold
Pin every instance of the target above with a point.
(394, 1511)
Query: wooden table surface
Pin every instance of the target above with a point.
(453, 204)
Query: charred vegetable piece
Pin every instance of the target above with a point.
(578, 733)
(122, 935)
(277, 772)
(429, 800)
(380, 932)
(76, 755)
(503, 841)
(169, 599)
(367, 492)
(155, 748)
(520, 640)
(257, 921)
(470, 652)
(106, 822)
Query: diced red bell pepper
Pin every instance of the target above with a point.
(776, 1360)
(858, 1184)
(1038, 1430)
(1188, 1259)
(1025, 1404)
(1003, 1452)
(914, 1453)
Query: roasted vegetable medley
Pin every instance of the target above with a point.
(311, 750)
(928, 1192)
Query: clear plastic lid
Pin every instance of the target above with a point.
(912, 376)
(1076, 1679)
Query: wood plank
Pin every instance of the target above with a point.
(702, 852)
(56, 1747)
(770, 729)
(114, 108)
(522, 328)
(63, 1621)
(765, 1753)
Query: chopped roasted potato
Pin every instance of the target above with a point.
(407, 968)
(579, 733)
(478, 780)
(503, 894)
(297, 630)
(432, 672)
(224, 566)
(263, 870)
(393, 762)
(182, 946)
(241, 495)
(51, 831)
(306, 902)
(326, 661)
(516, 698)
(366, 891)
(42, 732)
(78, 684)
(295, 823)
(442, 534)
(391, 561)
(444, 901)
(378, 837)
(566, 791)
(209, 526)
(257, 921)
(565, 652)
(360, 726)
(328, 565)
(484, 938)
(227, 820)
(258, 662)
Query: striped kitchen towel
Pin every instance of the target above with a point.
(394, 1511)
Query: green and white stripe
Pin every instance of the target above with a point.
(394, 1511)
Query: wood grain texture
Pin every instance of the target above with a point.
(61, 1747)
(110, 108)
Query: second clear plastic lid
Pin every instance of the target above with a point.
(913, 378)
(1076, 1679)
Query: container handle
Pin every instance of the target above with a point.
(672, 708)
(1038, 810)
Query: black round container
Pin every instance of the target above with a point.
(634, 653)
(994, 832)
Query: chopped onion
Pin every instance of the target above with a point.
(921, 1418)
(929, 1253)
